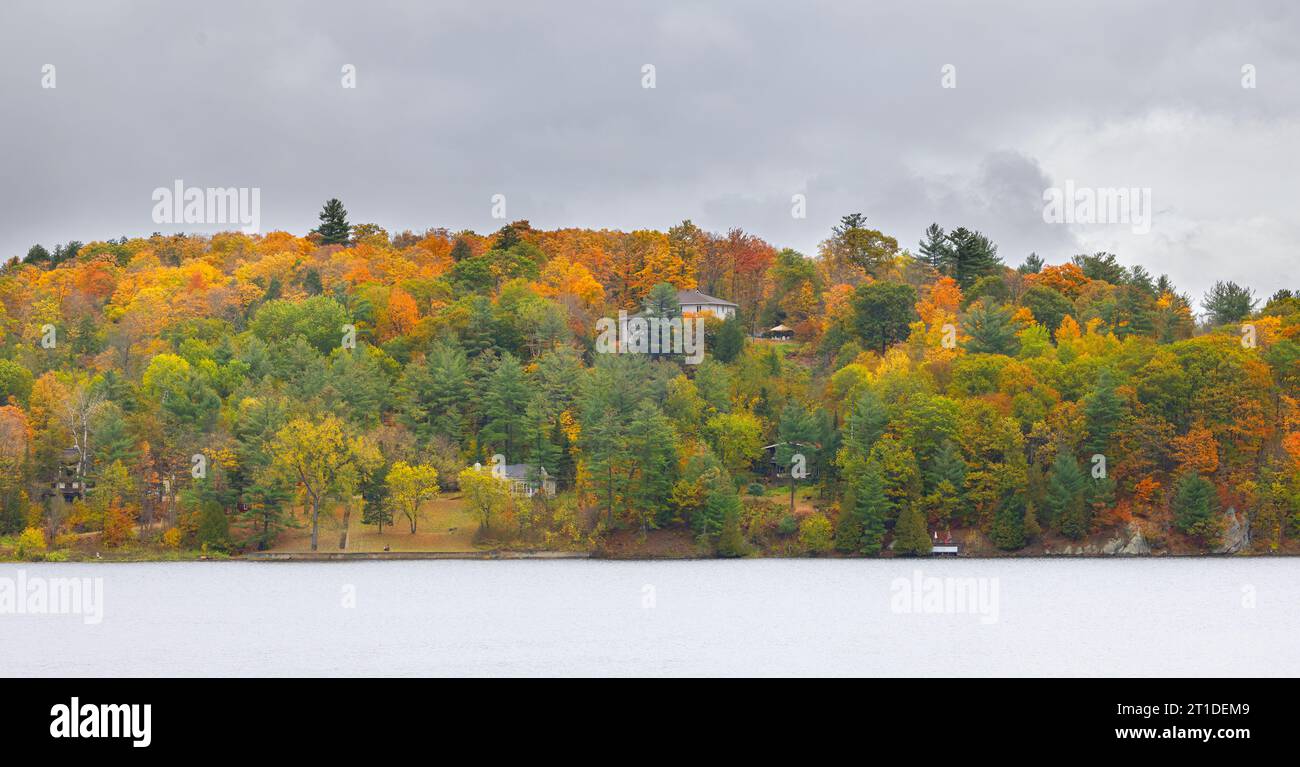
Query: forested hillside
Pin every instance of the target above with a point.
(209, 393)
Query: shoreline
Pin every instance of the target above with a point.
(407, 556)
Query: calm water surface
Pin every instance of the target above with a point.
(759, 617)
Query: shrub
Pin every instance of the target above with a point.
(214, 529)
(755, 489)
(815, 534)
(172, 538)
(788, 525)
(31, 545)
(731, 541)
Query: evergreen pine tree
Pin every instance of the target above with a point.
(731, 541)
(1008, 531)
(460, 250)
(945, 480)
(936, 251)
(503, 413)
(374, 493)
(1228, 302)
(865, 520)
(795, 435)
(434, 393)
(650, 441)
(1065, 498)
(1032, 528)
(866, 424)
(910, 534)
(730, 340)
(971, 255)
(334, 228)
(1102, 410)
(991, 330)
(1194, 506)
(661, 301)
(541, 451)
(1033, 264)
(720, 501)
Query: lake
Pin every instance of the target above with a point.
(1071, 617)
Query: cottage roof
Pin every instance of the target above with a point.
(696, 297)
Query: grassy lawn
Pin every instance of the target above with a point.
(446, 525)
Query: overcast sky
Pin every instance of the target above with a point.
(754, 102)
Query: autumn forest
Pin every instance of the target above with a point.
(221, 395)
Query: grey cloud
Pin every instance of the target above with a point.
(755, 101)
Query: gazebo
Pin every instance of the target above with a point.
(780, 332)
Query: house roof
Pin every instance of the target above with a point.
(518, 471)
(696, 297)
(780, 329)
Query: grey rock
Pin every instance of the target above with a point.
(1236, 535)
(1137, 545)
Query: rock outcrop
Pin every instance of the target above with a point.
(1236, 533)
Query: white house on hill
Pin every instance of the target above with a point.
(695, 302)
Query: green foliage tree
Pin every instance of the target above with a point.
(15, 382)
(318, 319)
(1048, 306)
(866, 248)
(213, 531)
(883, 312)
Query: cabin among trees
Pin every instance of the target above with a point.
(69, 481)
(526, 482)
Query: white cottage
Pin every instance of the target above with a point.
(695, 302)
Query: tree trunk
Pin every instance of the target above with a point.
(609, 507)
(792, 490)
(315, 512)
(347, 515)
